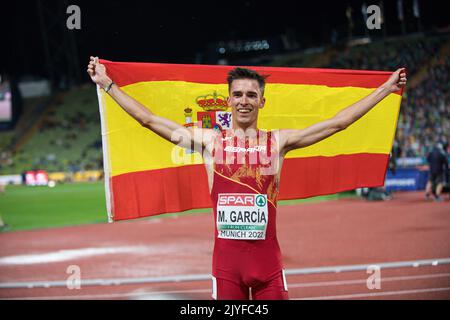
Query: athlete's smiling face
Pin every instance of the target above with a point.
(245, 100)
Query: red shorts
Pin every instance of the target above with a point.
(274, 289)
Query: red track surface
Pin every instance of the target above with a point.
(342, 232)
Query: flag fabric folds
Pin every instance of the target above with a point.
(142, 178)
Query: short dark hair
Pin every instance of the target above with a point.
(244, 73)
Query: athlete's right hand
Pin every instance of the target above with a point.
(97, 72)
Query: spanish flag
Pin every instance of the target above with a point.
(142, 179)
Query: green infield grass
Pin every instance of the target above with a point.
(23, 207)
(26, 208)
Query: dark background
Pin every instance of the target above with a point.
(180, 31)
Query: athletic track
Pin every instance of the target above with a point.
(170, 258)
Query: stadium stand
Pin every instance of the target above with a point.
(425, 108)
(65, 138)
(66, 135)
(424, 117)
(10, 140)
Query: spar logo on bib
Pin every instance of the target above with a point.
(261, 200)
(238, 199)
(242, 216)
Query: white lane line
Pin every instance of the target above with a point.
(359, 281)
(154, 295)
(173, 293)
(64, 255)
(207, 277)
(364, 267)
(375, 294)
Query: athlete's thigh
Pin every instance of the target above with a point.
(229, 290)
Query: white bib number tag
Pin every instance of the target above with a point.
(242, 216)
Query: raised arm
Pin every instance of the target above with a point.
(167, 129)
(294, 139)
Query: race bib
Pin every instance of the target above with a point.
(242, 216)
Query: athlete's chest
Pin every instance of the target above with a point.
(258, 150)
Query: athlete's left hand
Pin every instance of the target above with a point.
(396, 81)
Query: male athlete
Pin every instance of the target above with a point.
(437, 160)
(244, 175)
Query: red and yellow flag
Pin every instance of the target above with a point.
(142, 179)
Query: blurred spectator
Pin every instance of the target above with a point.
(395, 154)
(437, 160)
(3, 225)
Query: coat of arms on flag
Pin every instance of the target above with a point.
(214, 114)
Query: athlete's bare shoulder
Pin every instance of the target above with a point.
(210, 135)
(283, 135)
(276, 137)
(206, 137)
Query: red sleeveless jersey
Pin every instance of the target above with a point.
(244, 197)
